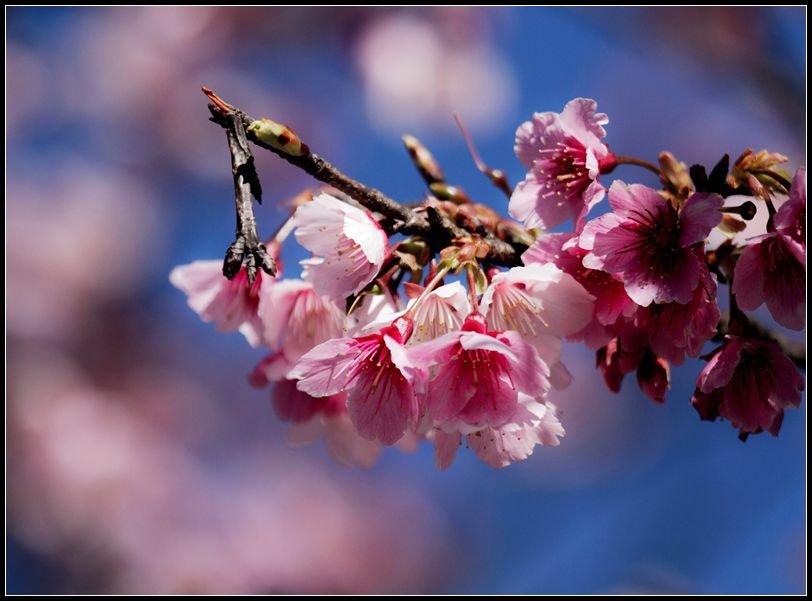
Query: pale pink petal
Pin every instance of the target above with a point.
(699, 216)
(325, 370)
(592, 196)
(522, 206)
(548, 248)
(580, 120)
(530, 374)
(320, 223)
(275, 305)
(362, 229)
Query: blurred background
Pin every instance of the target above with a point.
(138, 458)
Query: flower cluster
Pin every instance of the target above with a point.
(469, 349)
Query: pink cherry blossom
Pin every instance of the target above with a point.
(564, 156)
(542, 303)
(534, 424)
(675, 330)
(611, 305)
(296, 318)
(377, 374)
(313, 418)
(231, 304)
(772, 268)
(650, 244)
(480, 376)
(349, 245)
(439, 312)
(749, 382)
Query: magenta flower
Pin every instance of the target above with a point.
(564, 156)
(231, 304)
(772, 268)
(348, 243)
(650, 244)
(748, 382)
(480, 376)
(675, 330)
(312, 418)
(377, 374)
(628, 353)
(296, 318)
(535, 424)
(611, 306)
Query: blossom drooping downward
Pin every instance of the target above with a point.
(650, 244)
(748, 382)
(772, 268)
(479, 377)
(296, 318)
(231, 304)
(348, 243)
(377, 374)
(564, 156)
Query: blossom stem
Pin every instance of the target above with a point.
(497, 176)
(407, 220)
(640, 163)
(472, 289)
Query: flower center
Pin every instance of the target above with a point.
(563, 170)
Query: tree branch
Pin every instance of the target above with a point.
(247, 245)
(406, 220)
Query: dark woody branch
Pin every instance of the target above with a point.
(247, 246)
(437, 229)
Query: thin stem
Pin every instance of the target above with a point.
(472, 289)
(429, 287)
(639, 162)
(497, 176)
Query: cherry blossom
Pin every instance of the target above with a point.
(534, 424)
(375, 371)
(295, 318)
(649, 243)
(348, 243)
(480, 376)
(611, 306)
(231, 304)
(748, 382)
(564, 156)
(772, 268)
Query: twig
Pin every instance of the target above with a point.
(247, 245)
(405, 219)
(497, 176)
(640, 163)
